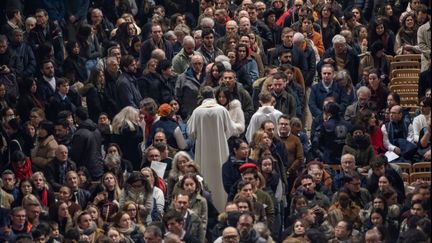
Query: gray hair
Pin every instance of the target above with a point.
(169, 34)
(364, 90)
(207, 22)
(298, 37)
(224, 60)
(338, 39)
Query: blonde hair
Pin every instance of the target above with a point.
(37, 174)
(127, 116)
(117, 190)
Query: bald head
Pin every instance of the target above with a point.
(230, 234)
(188, 44)
(61, 153)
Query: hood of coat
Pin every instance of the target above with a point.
(88, 124)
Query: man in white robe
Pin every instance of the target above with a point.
(210, 125)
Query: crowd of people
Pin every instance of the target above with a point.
(211, 121)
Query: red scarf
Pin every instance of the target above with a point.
(149, 119)
(44, 197)
(24, 171)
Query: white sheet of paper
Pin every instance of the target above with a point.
(159, 167)
(391, 155)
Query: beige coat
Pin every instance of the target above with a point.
(44, 152)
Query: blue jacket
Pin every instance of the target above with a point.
(319, 93)
(127, 91)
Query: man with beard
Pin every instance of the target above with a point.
(247, 232)
(285, 102)
(127, 87)
(190, 222)
(63, 133)
(313, 197)
(58, 167)
(362, 103)
(182, 60)
(47, 83)
(208, 49)
(352, 187)
(111, 74)
(115, 163)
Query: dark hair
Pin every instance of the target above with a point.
(61, 81)
(114, 145)
(207, 92)
(348, 15)
(380, 212)
(47, 126)
(234, 144)
(396, 97)
(413, 235)
(81, 113)
(192, 176)
(306, 176)
(70, 45)
(280, 75)
(181, 192)
(238, 48)
(227, 92)
(242, 199)
(206, 32)
(10, 13)
(163, 65)
(378, 161)
(425, 225)
(126, 60)
(172, 214)
(242, 184)
(315, 236)
(426, 101)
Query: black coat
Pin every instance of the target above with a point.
(155, 86)
(52, 173)
(129, 142)
(85, 151)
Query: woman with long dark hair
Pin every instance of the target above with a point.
(94, 91)
(329, 25)
(225, 98)
(29, 98)
(124, 35)
(215, 74)
(378, 30)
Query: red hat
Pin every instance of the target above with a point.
(247, 166)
